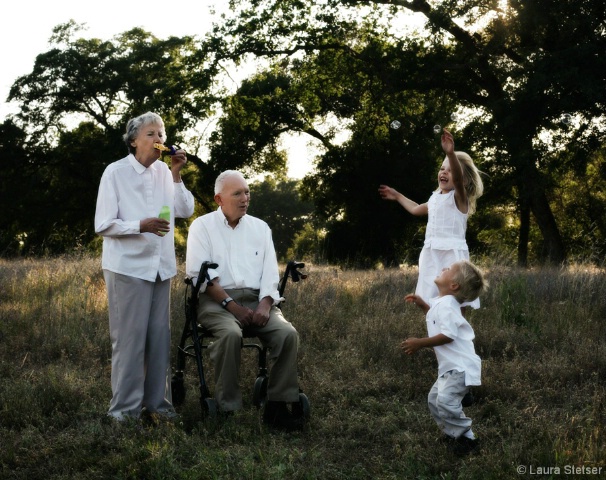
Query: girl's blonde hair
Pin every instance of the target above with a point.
(472, 179)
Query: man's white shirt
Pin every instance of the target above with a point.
(245, 255)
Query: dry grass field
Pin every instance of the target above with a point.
(541, 411)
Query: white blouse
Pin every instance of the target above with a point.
(129, 193)
(446, 225)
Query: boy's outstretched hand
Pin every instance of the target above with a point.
(410, 345)
(417, 300)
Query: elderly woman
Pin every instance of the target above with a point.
(138, 263)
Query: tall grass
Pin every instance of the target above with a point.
(541, 335)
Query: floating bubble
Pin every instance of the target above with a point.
(566, 119)
(437, 129)
(454, 117)
(395, 124)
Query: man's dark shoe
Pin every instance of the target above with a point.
(277, 415)
(224, 415)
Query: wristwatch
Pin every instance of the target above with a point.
(226, 301)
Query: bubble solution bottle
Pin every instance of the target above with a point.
(165, 215)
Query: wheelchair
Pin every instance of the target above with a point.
(195, 339)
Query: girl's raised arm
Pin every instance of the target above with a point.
(456, 171)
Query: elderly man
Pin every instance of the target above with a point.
(243, 294)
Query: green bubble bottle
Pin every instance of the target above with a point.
(165, 215)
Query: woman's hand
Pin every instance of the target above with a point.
(177, 162)
(157, 226)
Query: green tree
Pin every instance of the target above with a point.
(316, 95)
(108, 82)
(96, 85)
(279, 203)
(18, 186)
(515, 67)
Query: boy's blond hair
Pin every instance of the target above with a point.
(471, 282)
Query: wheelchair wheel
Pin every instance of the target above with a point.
(177, 386)
(302, 409)
(209, 408)
(260, 391)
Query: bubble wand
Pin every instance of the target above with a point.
(170, 149)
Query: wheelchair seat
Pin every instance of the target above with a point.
(195, 339)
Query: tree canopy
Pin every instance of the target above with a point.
(522, 90)
(98, 85)
(513, 69)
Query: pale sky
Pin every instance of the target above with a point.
(27, 26)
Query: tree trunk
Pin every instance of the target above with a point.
(554, 251)
(524, 235)
(534, 199)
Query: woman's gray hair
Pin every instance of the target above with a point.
(134, 125)
(224, 176)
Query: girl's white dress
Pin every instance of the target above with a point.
(444, 243)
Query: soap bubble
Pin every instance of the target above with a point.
(566, 119)
(454, 117)
(395, 124)
(437, 129)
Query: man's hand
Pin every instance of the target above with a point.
(243, 314)
(261, 314)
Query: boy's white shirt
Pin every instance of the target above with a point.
(444, 316)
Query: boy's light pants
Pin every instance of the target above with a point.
(444, 402)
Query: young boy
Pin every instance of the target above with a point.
(451, 337)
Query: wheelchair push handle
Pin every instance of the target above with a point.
(202, 276)
(292, 272)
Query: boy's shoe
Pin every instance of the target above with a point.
(468, 400)
(277, 415)
(464, 446)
